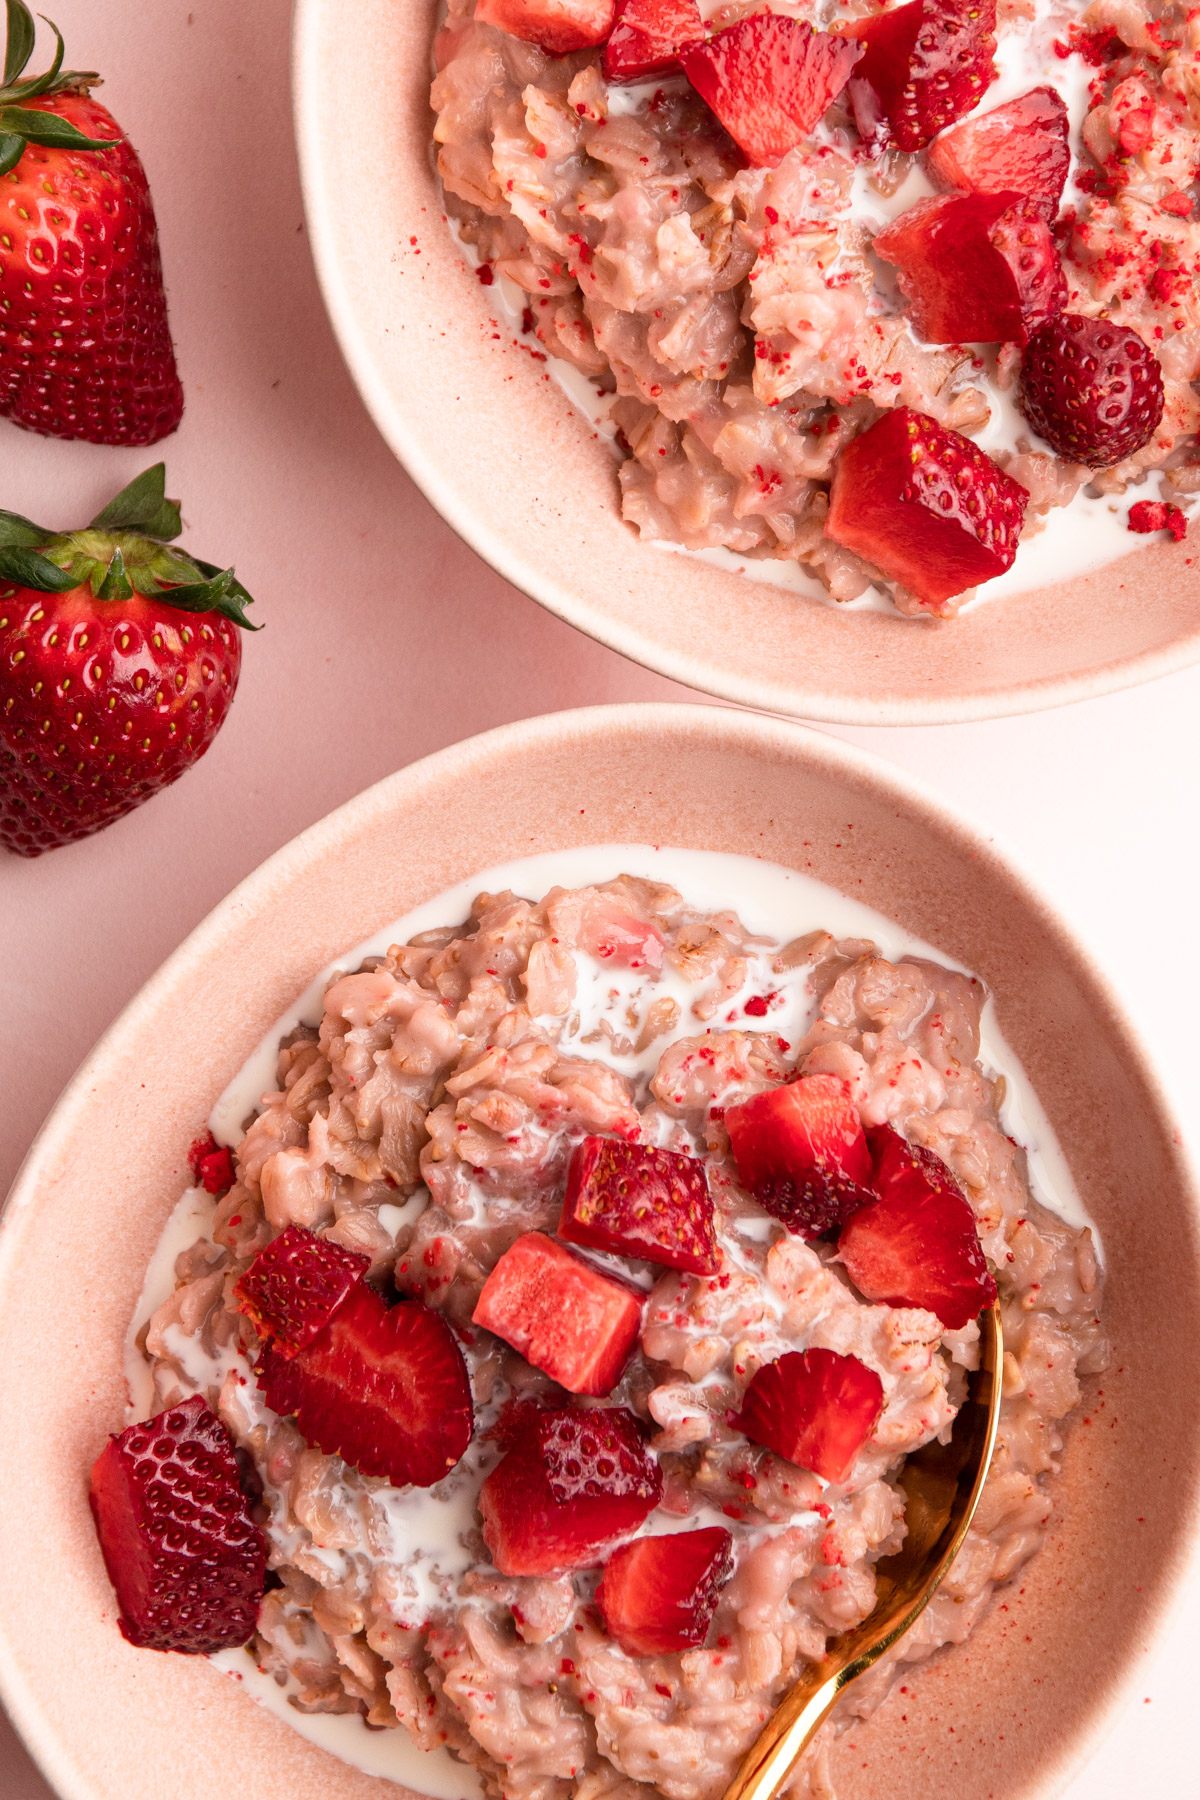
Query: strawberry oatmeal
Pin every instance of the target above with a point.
(530, 1380)
(865, 299)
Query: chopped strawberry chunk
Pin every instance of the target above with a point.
(801, 1151)
(573, 1482)
(558, 26)
(659, 1594)
(648, 35)
(564, 1316)
(612, 933)
(295, 1285)
(1021, 148)
(181, 1549)
(769, 79)
(1092, 388)
(386, 1388)
(926, 64)
(1158, 515)
(977, 268)
(638, 1201)
(815, 1408)
(925, 505)
(211, 1164)
(917, 1245)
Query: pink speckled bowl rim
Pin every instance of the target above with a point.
(768, 740)
(431, 455)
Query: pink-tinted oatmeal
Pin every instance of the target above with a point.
(429, 1123)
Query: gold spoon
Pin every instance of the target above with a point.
(942, 1485)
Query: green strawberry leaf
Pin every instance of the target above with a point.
(21, 34)
(143, 506)
(49, 130)
(38, 84)
(12, 149)
(221, 593)
(23, 533)
(30, 570)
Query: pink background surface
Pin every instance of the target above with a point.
(387, 638)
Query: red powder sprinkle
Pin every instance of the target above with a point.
(1157, 515)
(486, 274)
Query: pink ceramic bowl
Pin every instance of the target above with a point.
(1038, 1680)
(497, 448)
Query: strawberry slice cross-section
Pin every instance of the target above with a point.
(565, 1316)
(769, 79)
(559, 26)
(647, 36)
(925, 505)
(926, 64)
(638, 1201)
(976, 268)
(1021, 147)
(801, 1151)
(815, 1408)
(385, 1388)
(293, 1287)
(573, 1482)
(181, 1549)
(658, 1594)
(918, 1244)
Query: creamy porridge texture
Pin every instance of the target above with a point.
(864, 296)
(737, 1192)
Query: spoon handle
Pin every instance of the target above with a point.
(784, 1739)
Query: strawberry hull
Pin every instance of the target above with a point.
(815, 1408)
(801, 1151)
(657, 1596)
(634, 1200)
(563, 1315)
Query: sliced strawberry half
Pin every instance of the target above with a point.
(559, 26)
(385, 1388)
(1021, 148)
(647, 36)
(769, 79)
(293, 1287)
(562, 1314)
(181, 1549)
(925, 505)
(815, 1408)
(211, 1164)
(917, 1245)
(976, 268)
(801, 1151)
(573, 1482)
(925, 65)
(659, 1594)
(637, 1201)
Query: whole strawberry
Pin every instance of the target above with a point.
(119, 657)
(1092, 389)
(85, 347)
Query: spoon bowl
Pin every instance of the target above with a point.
(942, 1484)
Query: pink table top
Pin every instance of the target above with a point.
(386, 639)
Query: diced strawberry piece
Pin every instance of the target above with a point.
(211, 1164)
(573, 1482)
(648, 35)
(564, 1316)
(801, 1151)
(1018, 148)
(181, 1549)
(917, 1245)
(1093, 389)
(659, 1594)
(977, 268)
(926, 64)
(926, 506)
(386, 1388)
(610, 932)
(769, 79)
(638, 1201)
(558, 26)
(293, 1287)
(815, 1408)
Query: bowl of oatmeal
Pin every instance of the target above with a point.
(523, 1038)
(666, 345)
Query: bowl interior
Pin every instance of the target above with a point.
(1004, 1717)
(501, 453)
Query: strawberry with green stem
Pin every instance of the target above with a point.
(119, 657)
(85, 346)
